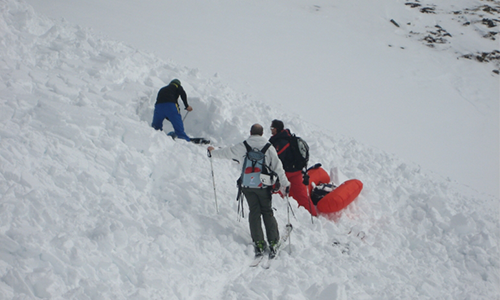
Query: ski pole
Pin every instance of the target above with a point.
(213, 180)
(306, 183)
(185, 116)
(288, 208)
(241, 209)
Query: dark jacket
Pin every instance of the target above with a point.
(171, 93)
(281, 142)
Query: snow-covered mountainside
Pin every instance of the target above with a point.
(95, 204)
(417, 90)
(474, 25)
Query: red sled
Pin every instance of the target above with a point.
(340, 197)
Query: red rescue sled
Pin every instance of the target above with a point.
(340, 197)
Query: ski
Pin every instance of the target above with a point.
(284, 238)
(198, 140)
(256, 261)
(202, 141)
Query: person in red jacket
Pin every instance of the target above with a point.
(298, 190)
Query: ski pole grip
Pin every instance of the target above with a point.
(306, 179)
(208, 153)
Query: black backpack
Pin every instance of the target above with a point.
(300, 151)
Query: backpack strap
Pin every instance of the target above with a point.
(265, 148)
(247, 146)
(250, 148)
(284, 148)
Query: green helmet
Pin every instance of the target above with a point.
(176, 82)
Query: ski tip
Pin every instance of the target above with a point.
(256, 261)
(202, 141)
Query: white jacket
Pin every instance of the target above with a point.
(239, 151)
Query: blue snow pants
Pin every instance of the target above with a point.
(170, 111)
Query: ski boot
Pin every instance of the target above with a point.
(259, 248)
(273, 249)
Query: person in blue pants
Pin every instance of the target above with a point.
(166, 107)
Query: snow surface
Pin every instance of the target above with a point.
(339, 64)
(95, 204)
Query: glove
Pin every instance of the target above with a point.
(305, 178)
(209, 151)
(285, 190)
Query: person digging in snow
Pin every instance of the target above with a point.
(166, 107)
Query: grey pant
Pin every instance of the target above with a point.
(260, 204)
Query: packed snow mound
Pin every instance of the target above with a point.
(95, 204)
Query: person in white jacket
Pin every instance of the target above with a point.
(259, 199)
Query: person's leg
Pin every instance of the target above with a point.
(266, 209)
(298, 191)
(254, 218)
(158, 116)
(175, 118)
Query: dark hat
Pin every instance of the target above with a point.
(278, 125)
(176, 82)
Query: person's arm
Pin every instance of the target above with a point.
(183, 95)
(235, 152)
(277, 166)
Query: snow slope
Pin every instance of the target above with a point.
(339, 64)
(97, 205)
